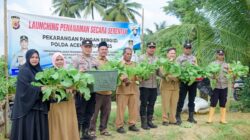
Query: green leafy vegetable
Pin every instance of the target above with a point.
(57, 80)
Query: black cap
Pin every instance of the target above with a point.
(221, 52)
(15, 17)
(103, 43)
(187, 45)
(87, 42)
(23, 37)
(151, 44)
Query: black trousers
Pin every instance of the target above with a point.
(103, 104)
(148, 97)
(219, 94)
(84, 109)
(191, 90)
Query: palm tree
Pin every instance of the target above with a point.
(66, 8)
(158, 27)
(229, 30)
(122, 10)
(88, 6)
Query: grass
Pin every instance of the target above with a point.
(238, 128)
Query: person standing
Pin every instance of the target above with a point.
(85, 108)
(126, 95)
(30, 114)
(148, 90)
(185, 88)
(169, 89)
(220, 91)
(103, 98)
(62, 115)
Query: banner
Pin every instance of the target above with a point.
(58, 34)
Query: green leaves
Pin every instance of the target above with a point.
(57, 81)
(236, 70)
(170, 67)
(7, 86)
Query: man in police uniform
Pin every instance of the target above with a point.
(148, 90)
(84, 108)
(184, 87)
(19, 57)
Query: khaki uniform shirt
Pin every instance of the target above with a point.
(151, 82)
(168, 82)
(187, 58)
(84, 63)
(222, 81)
(132, 88)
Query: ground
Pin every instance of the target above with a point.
(238, 128)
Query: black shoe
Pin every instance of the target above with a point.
(173, 123)
(178, 118)
(191, 118)
(150, 123)
(144, 123)
(121, 130)
(133, 128)
(87, 136)
(165, 123)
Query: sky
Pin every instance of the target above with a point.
(153, 12)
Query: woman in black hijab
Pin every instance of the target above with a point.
(30, 114)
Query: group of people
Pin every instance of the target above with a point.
(76, 118)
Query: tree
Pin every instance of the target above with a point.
(122, 10)
(210, 25)
(66, 8)
(158, 27)
(88, 6)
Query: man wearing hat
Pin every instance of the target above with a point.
(185, 88)
(84, 108)
(103, 98)
(148, 90)
(19, 57)
(220, 91)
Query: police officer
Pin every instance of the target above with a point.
(185, 88)
(19, 57)
(220, 91)
(148, 90)
(84, 108)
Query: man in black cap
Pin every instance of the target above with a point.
(19, 57)
(221, 88)
(185, 88)
(84, 108)
(103, 98)
(148, 90)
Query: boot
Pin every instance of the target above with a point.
(223, 115)
(191, 118)
(144, 123)
(211, 115)
(150, 123)
(178, 118)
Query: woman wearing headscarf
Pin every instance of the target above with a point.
(62, 115)
(30, 114)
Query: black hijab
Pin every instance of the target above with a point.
(36, 68)
(28, 97)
